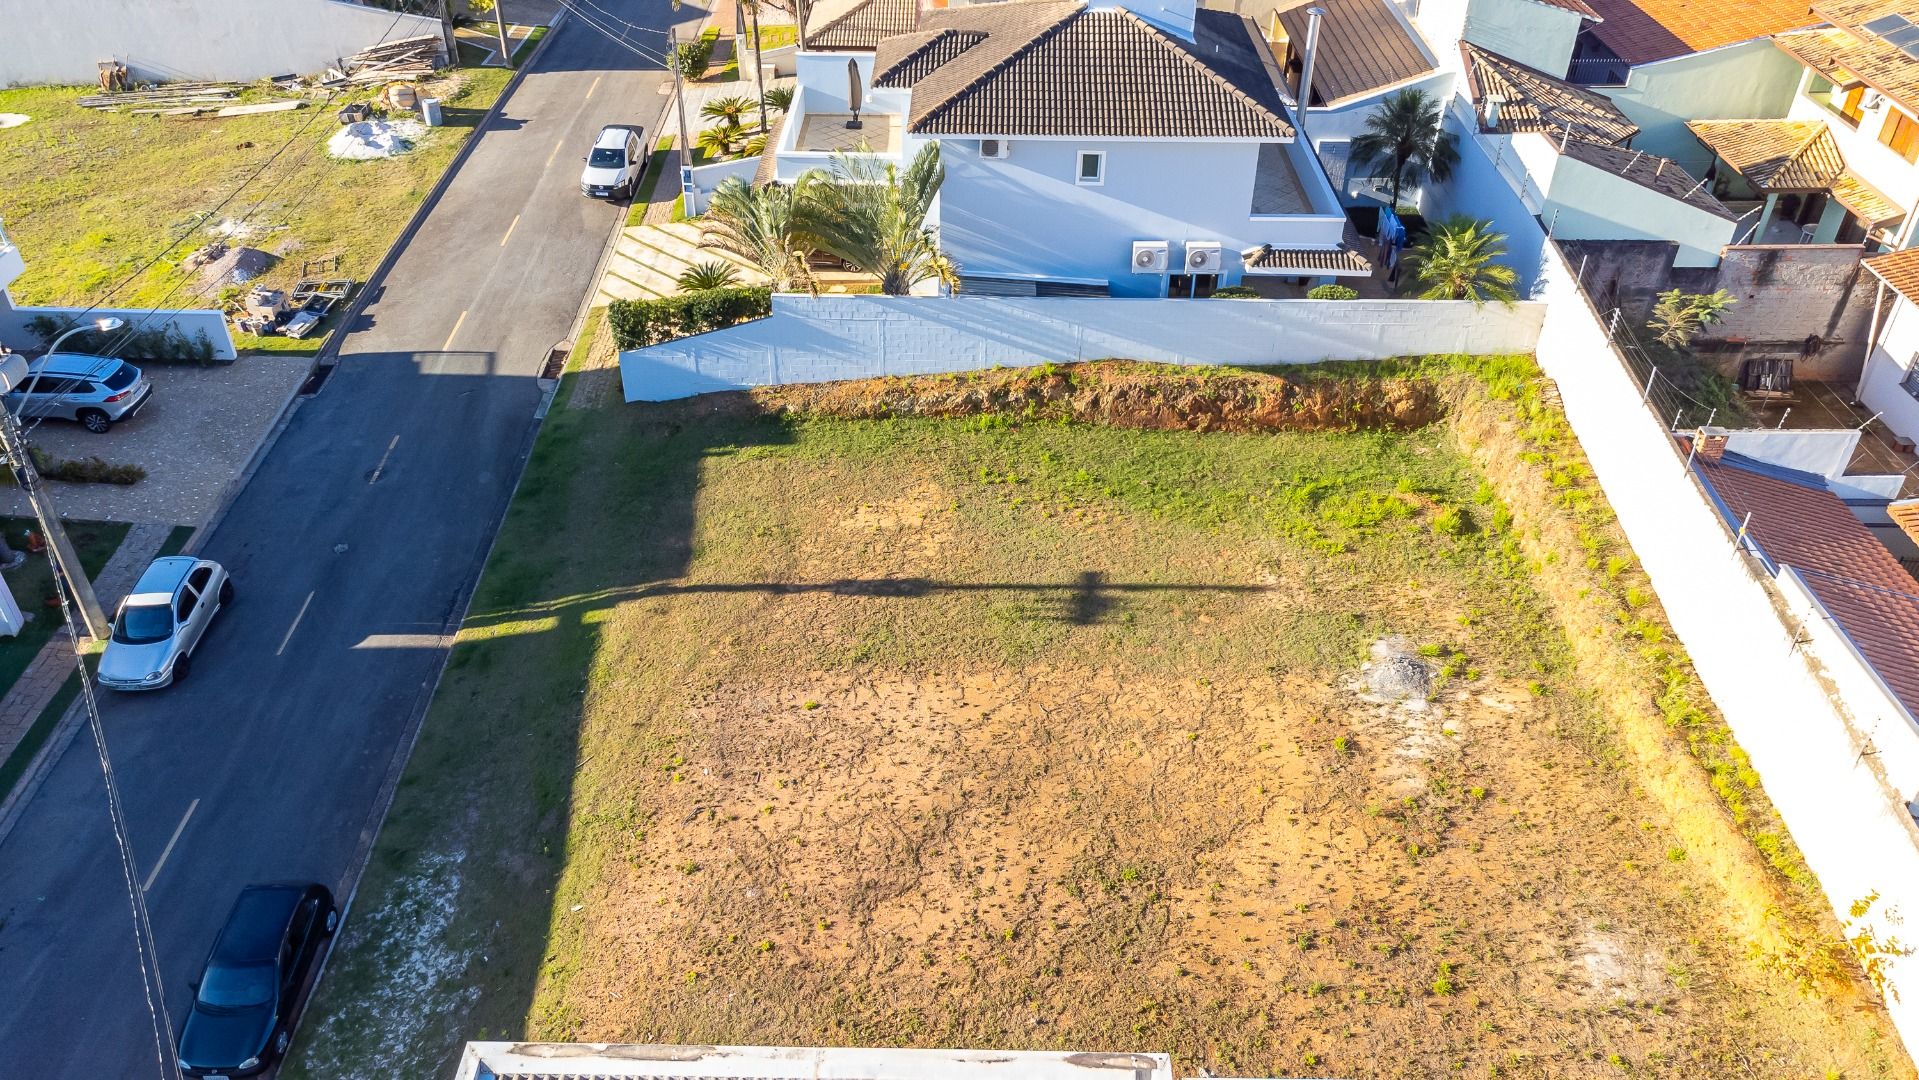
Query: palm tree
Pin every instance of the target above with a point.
(718, 141)
(773, 226)
(712, 274)
(874, 217)
(754, 146)
(1404, 135)
(779, 99)
(1455, 262)
(729, 111)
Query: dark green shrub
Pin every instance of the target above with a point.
(1236, 292)
(639, 323)
(692, 58)
(89, 470)
(1333, 292)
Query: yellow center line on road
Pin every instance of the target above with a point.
(556, 152)
(590, 89)
(456, 331)
(509, 230)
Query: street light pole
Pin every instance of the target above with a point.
(499, 24)
(14, 443)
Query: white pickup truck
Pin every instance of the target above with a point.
(618, 160)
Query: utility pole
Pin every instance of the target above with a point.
(679, 102)
(799, 19)
(758, 68)
(499, 24)
(66, 561)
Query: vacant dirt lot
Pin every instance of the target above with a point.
(957, 732)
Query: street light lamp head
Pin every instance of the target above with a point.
(109, 322)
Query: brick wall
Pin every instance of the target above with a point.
(1809, 302)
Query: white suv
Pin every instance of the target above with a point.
(618, 160)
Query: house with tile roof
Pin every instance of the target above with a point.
(1135, 149)
(1889, 384)
(1850, 595)
(1666, 62)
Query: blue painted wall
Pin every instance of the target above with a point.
(1025, 215)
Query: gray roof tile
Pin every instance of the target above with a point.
(1057, 68)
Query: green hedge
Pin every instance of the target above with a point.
(1236, 292)
(1333, 292)
(639, 323)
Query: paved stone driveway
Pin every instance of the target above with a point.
(193, 438)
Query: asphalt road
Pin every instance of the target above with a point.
(353, 548)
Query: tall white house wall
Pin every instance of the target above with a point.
(1478, 188)
(830, 338)
(1587, 203)
(191, 322)
(1535, 34)
(1027, 215)
(1864, 153)
(1895, 353)
(1837, 765)
(60, 42)
(1738, 82)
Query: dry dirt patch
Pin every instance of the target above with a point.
(967, 733)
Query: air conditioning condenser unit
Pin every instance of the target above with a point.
(1151, 256)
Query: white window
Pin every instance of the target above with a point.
(1911, 382)
(1092, 167)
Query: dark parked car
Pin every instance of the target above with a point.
(245, 1003)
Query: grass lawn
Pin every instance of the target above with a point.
(32, 586)
(91, 196)
(975, 733)
(655, 168)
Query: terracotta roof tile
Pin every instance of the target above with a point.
(1795, 155)
(1642, 31)
(1798, 522)
(1363, 47)
(1899, 269)
(1048, 68)
(1536, 101)
(1847, 56)
(1347, 258)
(833, 25)
(1775, 155)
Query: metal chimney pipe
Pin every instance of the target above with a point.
(1313, 15)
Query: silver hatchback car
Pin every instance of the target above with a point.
(96, 391)
(159, 625)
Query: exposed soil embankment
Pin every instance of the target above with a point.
(1133, 396)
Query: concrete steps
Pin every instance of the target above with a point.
(648, 260)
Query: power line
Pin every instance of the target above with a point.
(617, 39)
(195, 227)
(151, 986)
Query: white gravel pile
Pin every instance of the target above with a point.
(371, 139)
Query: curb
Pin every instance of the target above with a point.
(51, 751)
(390, 786)
(235, 486)
(378, 277)
(328, 354)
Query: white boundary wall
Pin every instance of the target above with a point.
(189, 321)
(59, 41)
(1837, 756)
(829, 338)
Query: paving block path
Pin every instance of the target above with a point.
(33, 691)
